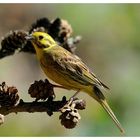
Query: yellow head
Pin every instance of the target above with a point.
(42, 40)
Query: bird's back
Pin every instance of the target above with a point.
(67, 69)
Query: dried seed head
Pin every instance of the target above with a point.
(39, 29)
(13, 41)
(80, 104)
(42, 22)
(70, 116)
(65, 30)
(70, 44)
(60, 30)
(8, 95)
(41, 90)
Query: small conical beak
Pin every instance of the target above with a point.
(29, 38)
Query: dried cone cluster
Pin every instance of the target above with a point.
(13, 41)
(70, 116)
(59, 29)
(43, 23)
(8, 95)
(65, 30)
(41, 90)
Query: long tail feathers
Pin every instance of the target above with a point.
(101, 99)
(111, 114)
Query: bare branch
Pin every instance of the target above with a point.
(48, 106)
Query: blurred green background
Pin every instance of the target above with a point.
(110, 46)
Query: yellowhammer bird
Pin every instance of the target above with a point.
(68, 70)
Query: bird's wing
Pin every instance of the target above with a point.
(72, 65)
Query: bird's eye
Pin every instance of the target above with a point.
(40, 37)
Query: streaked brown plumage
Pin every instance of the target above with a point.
(69, 71)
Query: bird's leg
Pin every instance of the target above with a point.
(69, 104)
(75, 93)
(72, 97)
